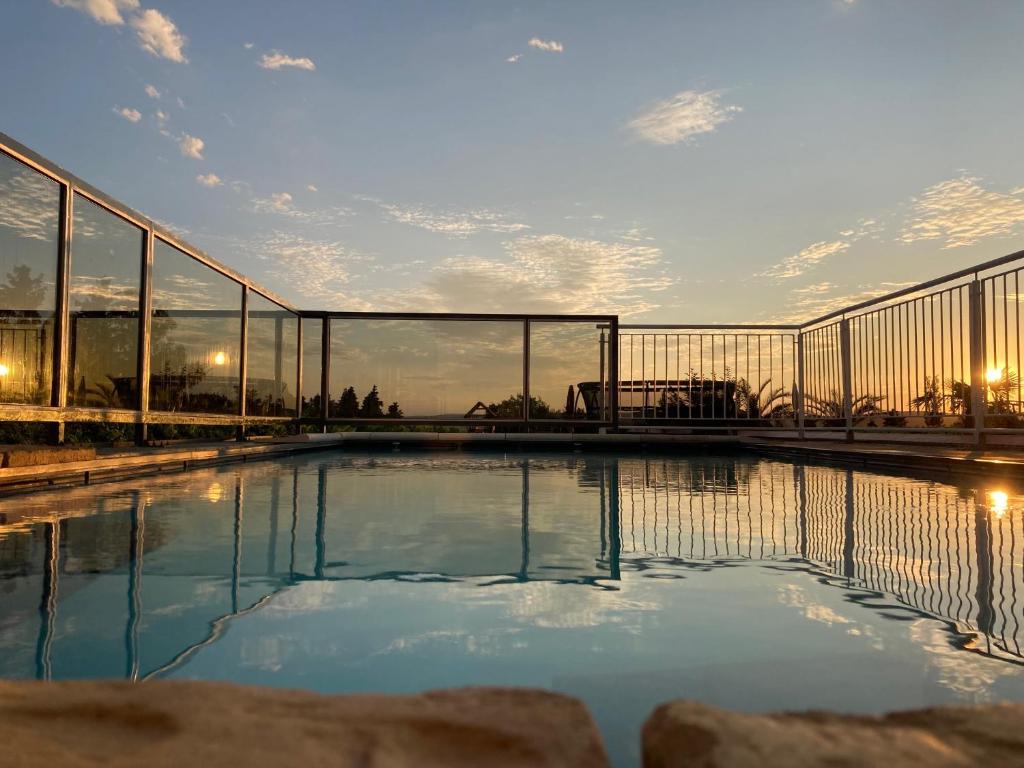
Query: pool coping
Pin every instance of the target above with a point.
(118, 465)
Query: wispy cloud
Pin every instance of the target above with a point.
(129, 114)
(315, 269)
(811, 301)
(311, 188)
(152, 92)
(962, 212)
(552, 46)
(191, 146)
(102, 11)
(278, 202)
(159, 36)
(514, 58)
(451, 222)
(547, 273)
(209, 180)
(278, 60)
(798, 263)
(248, 46)
(682, 117)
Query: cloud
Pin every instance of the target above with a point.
(962, 212)
(209, 180)
(248, 46)
(159, 36)
(818, 299)
(546, 273)
(129, 114)
(315, 269)
(191, 146)
(103, 11)
(152, 92)
(452, 222)
(552, 46)
(798, 263)
(312, 188)
(278, 60)
(514, 58)
(682, 117)
(278, 202)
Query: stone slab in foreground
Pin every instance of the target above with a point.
(683, 733)
(217, 724)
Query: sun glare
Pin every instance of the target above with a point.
(999, 501)
(992, 375)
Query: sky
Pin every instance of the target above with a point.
(697, 161)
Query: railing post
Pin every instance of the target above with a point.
(526, 372)
(298, 373)
(325, 371)
(800, 384)
(144, 367)
(243, 355)
(847, 371)
(976, 338)
(613, 371)
(59, 380)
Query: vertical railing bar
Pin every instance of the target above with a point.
(1016, 302)
(325, 372)
(613, 372)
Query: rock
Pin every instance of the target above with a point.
(30, 457)
(120, 724)
(683, 733)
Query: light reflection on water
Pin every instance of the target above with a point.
(742, 582)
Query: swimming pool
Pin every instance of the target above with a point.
(739, 581)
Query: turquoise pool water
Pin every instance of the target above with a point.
(626, 581)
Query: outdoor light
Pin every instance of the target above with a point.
(220, 358)
(992, 375)
(999, 501)
(4, 370)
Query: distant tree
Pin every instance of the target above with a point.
(512, 408)
(394, 412)
(348, 404)
(373, 406)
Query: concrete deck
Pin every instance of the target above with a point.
(114, 464)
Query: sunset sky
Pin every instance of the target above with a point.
(669, 161)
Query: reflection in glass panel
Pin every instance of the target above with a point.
(197, 328)
(106, 253)
(29, 241)
(312, 358)
(444, 369)
(271, 359)
(568, 371)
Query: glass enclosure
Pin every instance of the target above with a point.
(426, 369)
(312, 365)
(569, 364)
(196, 335)
(104, 290)
(29, 243)
(271, 358)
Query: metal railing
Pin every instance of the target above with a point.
(105, 316)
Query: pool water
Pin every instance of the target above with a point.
(624, 580)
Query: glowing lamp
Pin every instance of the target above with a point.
(999, 502)
(992, 375)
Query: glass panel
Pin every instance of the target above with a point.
(106, 262)
(426, 369)
(29, 242)
(271, 359)
(566, 377)
(197, 328)
(312, 357)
